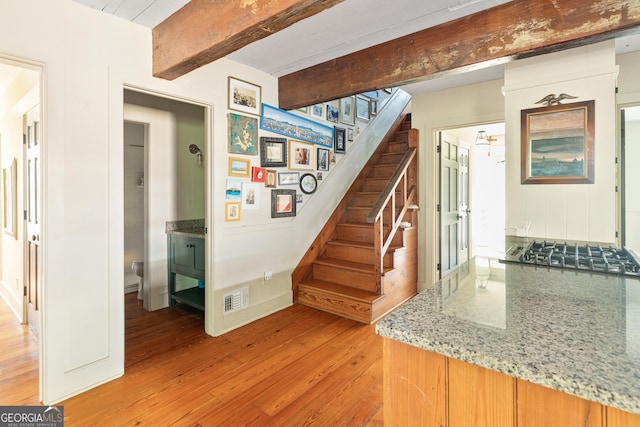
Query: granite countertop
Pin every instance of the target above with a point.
(188, 227)
(572, 331)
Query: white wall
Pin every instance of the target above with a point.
(583, 212)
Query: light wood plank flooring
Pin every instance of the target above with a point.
(296, 367)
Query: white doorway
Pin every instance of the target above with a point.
(21, 137)
(481, 218)
(629, 216)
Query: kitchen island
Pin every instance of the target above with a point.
(507, 344)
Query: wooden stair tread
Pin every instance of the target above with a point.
(334, 262)
(341, 290)
(364, 245)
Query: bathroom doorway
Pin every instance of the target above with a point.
(163, 181)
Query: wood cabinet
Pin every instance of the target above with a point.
(186, 257)
(425, 388)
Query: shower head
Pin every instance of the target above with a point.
(194, 149)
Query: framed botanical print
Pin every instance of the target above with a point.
(243, 134)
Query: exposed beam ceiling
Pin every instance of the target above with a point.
(513, 30)
(348, 27)
(205, 30)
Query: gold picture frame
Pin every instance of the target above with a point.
(239, 167)
(557, 144)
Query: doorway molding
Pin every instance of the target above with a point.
(41, 69)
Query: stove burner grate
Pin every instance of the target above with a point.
(586, 257)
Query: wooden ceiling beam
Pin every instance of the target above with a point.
(517, 29)
(206, 30)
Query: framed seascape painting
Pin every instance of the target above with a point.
(557, 144)
(239, 167)
(244, 96)
(294, 126)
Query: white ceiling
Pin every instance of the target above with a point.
(345, 28)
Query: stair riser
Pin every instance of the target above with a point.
(359, 216)
(382, 171)
(391, 158)
(351, 253)
(398, 147)
(365, 200)
(355, 279)
(358, 254)
(355, 234)
(376, 185)
(342, 306)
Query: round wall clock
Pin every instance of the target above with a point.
(308, 183)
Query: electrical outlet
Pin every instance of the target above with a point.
(268, 275)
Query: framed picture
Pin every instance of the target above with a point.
(301, 155)
(273, 152)
(362, 108)
(270, 180)
(304, 110)
(9, 198)
(317, 111)
(373, 107)
(258, 174)
(239, 167)
(244, 96)
(234, 186)
(295, 126)
(339, 140)
(332, 113)
(283, 203)
(250, 195)
(243, 134)
(557, 144)
(288, 178)
(323, 159)
(348, 110)
(308, 183)
(232, 211)
(350, 134)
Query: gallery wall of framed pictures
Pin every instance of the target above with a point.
(280, 157)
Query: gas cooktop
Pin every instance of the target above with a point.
(577, 256)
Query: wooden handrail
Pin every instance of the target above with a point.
(403, 179)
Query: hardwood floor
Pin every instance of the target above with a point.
(296, 367)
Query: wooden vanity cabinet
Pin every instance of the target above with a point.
(186, 257)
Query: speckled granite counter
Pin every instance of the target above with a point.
(571, 331)
(187, 227)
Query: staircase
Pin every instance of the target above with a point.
(363, 263)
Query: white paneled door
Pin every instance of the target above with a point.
(454, 204)
(32, 134)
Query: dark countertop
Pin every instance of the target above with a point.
(573, 331)
(189, 228)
